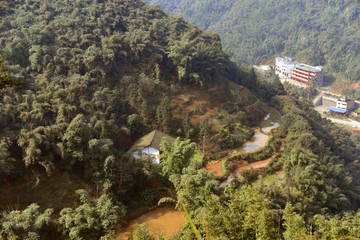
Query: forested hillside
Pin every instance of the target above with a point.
(94, 76)
(315, 32)
(82, 65)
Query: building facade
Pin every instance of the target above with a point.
(329, 100)
(150, 151)
(302, 73)
(309, 75)
(345, 103)
(285, 65)
(149, 145)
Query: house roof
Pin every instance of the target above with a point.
(152, 139)
(336, 110)
(309, 68)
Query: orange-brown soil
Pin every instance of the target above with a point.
(214, 166)
(163, 222)
(255, 165)
(339, 86)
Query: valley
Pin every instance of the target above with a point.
(120, 121)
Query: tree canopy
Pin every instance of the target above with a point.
(6, 80)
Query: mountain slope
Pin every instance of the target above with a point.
(315, 32)
(98, 75)
(77, 59)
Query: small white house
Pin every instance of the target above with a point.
(149, 145)
(345, 103)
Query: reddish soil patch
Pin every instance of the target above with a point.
(348, 7)
(163, 222)
(193, 107)
(255, 165)
(196, 119)
(339, 86)
(181, 99)
(215, 166)
(355, 130)
(176, 101)
(267, 61)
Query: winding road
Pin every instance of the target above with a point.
(348, 122)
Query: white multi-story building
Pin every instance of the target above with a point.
(285, 65)
(309, 75)
(302, 73)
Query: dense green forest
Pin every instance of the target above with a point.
(81, 81)
(322, 32)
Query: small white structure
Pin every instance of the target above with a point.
(345, 103)
(149, 145)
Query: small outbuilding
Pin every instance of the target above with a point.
(337, 110)
(345, 103)
(150, 145)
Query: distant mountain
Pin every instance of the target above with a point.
(316, 32)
